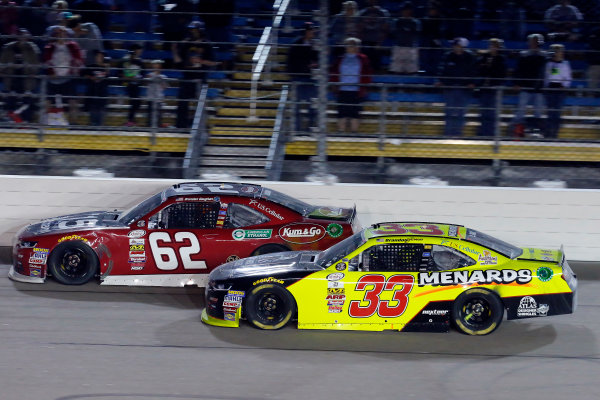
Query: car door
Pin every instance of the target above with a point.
(180, 237)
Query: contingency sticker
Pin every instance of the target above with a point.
(241, 234)
(39, 256)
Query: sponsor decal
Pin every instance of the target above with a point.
(267, 280)
(403, 240)
(229, 316)
(133, 242)
(39, 256)
(302, 233)
(137, 267)
(448, 278)
(335, 309)
(452, 230)
(137, 233)
(426, 254)
(232, 301)
(340, 267)
(529, 308)
(241, 234)
(80, 223)
(336, 290)
(487, 258)
(72, 237)
(231, 258)
(435, 312)
(35, 271)
(335, 230)
(460, 247)
(335, 284)
(266, 209)
(544, 274)
(428, 247)
(137, 260)
(335, 302)
(136, 247)
(336, 276)
(341, 297)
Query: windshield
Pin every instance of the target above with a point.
(287, 201)
(340, 250)
(139, 210)
(490, 242)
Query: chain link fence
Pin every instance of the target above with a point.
(278, 91)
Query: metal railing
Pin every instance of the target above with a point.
(198, 137)
(276, 152)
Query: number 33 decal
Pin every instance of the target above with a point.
(165, 257)
(377, 285)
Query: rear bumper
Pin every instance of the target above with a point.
(543, 305)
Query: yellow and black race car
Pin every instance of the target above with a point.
(399, 276)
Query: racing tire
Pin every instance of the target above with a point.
(270, 306)
(73, 263)
(477, 312)
(270, 248)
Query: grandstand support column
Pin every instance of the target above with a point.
(320, 161)
(497, 163)
(43, 112)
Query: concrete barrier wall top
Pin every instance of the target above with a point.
(545, 218)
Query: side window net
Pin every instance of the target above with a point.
(191, 216)
(395, 257)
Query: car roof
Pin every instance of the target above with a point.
(194, 188)
(448, 230)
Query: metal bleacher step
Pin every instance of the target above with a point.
(240, 121)
(246, 76)
(228, 161)
(247, 66)
(240, 132)
(241, 93)
(245, 173)
(239, 141)
(246, 111)
(236, 151)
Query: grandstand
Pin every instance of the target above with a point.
(244, 119)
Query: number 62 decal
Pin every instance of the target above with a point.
(165, 257)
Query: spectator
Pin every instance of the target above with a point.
(344, 25)
(64, 61)
(198, 58)
(302, 58)
(157, 83)
(54, 17)
(94, 12)
(431, 39)
(8, 18)
(132, 70)
(456, 73)
(88, 37)
(562, 21)
(557, 77)
(352, 70)
(528, 80)
(196, 37)
(61, 22)
(175, 14)
(373, 30)
(20, 59)
(491, 68)
(96, 75)
(405, 32)
(593, 59)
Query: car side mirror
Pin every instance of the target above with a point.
(141, 223)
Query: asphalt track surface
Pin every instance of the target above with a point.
(113, 343)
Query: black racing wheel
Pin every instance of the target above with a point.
(270, 306)
(73, 263)
(269, 248)
(477, 312)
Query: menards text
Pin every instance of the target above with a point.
(486, 277)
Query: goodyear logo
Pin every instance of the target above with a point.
(268, 280)
(72, 237)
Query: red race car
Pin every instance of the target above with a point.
(175, 237)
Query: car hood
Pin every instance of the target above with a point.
(267, 265)
(74, 222)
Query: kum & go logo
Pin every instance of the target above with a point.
(302, 233)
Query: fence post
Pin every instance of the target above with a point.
(497, 163)
(320, 167)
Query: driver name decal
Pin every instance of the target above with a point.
(491, 276)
